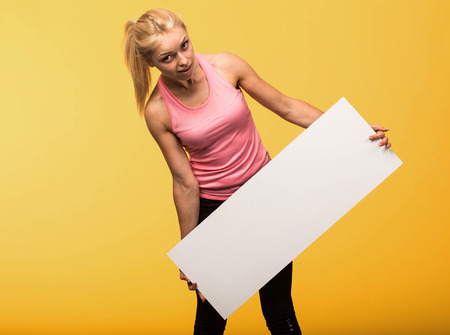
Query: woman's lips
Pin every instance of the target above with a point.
(185, 70)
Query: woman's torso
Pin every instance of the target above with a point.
(217, 131)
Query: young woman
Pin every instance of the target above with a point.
(198, 107)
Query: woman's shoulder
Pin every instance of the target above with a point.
(156, 109)
(155, 101)
(223, 60)
(228, 65)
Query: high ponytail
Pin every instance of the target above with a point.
(141, 38)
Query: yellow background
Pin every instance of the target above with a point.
(86, 213)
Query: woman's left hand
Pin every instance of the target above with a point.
(192, 286)
(380, 134)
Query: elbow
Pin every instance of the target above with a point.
(192, 188)
(186, 186)
(287, 109)
(300, 113)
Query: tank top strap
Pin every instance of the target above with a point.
(212, 73)
(165, 92)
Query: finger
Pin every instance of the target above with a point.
(202, 298)
(384, 141)
(184, 277)
(192, 286)
(378, 128)
(377, 136)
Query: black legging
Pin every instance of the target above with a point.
(275, 297)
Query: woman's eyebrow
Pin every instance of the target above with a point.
(165, 53)
(169, 52)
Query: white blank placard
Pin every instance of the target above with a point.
(285, 207)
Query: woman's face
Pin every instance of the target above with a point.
(174, 54)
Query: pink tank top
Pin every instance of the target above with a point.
(224, 147)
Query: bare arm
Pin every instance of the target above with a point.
(293, 110)
(185, 185)
(240, 72)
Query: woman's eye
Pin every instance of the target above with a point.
(166, 59)
(185, 45)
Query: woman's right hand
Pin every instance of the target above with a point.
(192, 286)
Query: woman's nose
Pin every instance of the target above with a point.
(182, 60)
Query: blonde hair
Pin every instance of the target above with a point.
(141, 38)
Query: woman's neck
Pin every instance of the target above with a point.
(197, 77)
